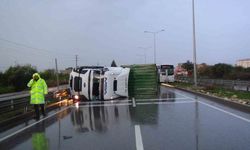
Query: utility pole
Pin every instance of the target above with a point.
(57, 78)
(194, 46)
(76, 60)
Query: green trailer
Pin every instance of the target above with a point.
(143, 81)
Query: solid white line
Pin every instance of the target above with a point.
(110, 101)
(183, 95)
(167, 85)
(219, 109)
(162, 99)
(119, 104)
(18, 131)
(168, 103)
(138, 138)
(127, 104)
(227, 112)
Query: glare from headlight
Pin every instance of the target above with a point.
(77, 105)
(57, 95)
(76, 97)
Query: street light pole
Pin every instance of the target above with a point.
(154, 34)
(154, 49)
(76, 60)
(57, 78)
(194, 47)
(145, 55)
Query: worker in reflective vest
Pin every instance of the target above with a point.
(38, 90)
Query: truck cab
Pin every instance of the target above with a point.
(99, 83)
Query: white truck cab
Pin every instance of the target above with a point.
(99, 83)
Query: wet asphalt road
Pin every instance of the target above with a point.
(176, 121)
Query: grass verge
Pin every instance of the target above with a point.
(233, 95)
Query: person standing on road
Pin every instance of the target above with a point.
(37, 94)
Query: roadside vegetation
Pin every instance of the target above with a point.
(239, 96)
(218, 71)
(15, 78)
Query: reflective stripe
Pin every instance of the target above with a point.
(37, 100)
(38, 92)
(37, 96)
(37, 87)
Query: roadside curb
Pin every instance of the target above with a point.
(226, 102)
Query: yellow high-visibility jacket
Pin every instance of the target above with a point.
(38, 90)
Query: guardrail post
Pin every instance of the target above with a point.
(25, 108)
(60, 103)
(12, 104)
(233, 85)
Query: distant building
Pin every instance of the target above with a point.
(179, 70)
(245, 63)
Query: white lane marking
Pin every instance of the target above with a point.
(221, 110)
(110, 101)
(138, 103)
(226, 112)
(168, 103)
(18, 131)
(134, 103)
(96, 105)
(138, 138)
(163, 99)
(168, 85)
(184, 96)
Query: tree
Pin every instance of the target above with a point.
(113, 64)
(204, 70)
(48, 74)
(1, 78)
(18, 76)
(222, 70)
(189, 66)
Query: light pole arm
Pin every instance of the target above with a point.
(154, 33)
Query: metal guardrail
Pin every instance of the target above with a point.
(21, 100)
(229, 84)
(17, 95)
(13, 94)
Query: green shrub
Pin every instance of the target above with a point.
(7, 89)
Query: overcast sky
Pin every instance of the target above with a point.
(99, 31)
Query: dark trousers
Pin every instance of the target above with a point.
(37, 111)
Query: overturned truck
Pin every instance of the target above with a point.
(105, 83)
(99, 83)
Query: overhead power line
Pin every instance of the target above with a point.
(30, 47)
(35, 53)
